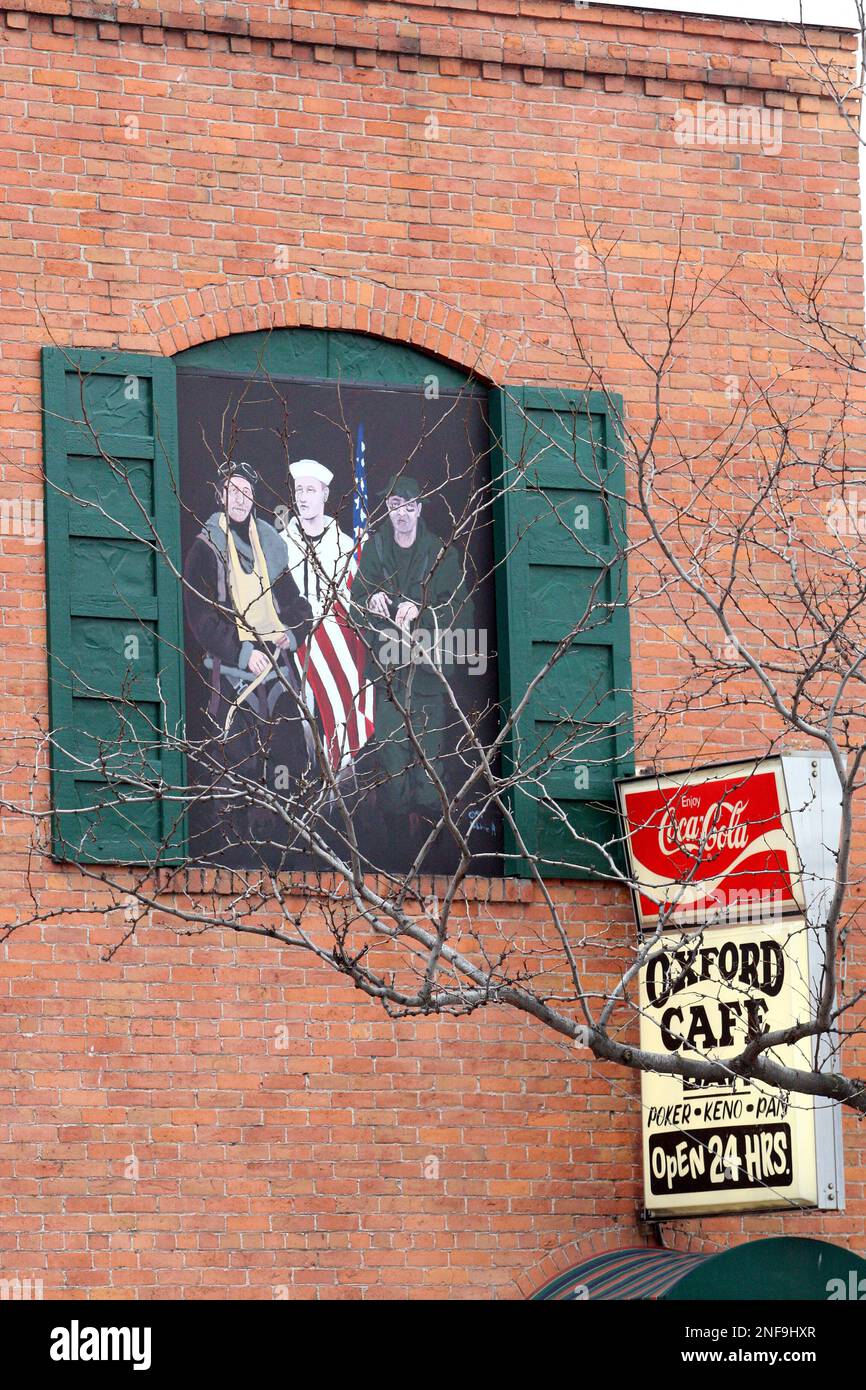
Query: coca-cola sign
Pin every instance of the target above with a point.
(713, 844)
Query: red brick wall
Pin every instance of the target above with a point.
(279, 174)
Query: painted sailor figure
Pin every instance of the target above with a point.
(319, 552)
(320, 560)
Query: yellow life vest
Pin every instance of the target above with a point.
(256, 614)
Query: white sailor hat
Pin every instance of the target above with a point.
(308, 468)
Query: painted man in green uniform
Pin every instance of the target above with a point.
(410, 591)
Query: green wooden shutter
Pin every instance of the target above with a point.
(114, 605)
(560, 524)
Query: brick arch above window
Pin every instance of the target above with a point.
(433, 326)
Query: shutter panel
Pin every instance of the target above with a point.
(114, 605)
(560, 524)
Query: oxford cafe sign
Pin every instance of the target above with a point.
(731, 867)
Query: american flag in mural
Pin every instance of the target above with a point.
(332, 662)
(363, 704)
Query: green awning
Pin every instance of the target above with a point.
(783, 1267)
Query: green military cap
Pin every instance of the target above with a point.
(402, 486)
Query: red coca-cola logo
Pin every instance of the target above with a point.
(705, 845)
(720, 827)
